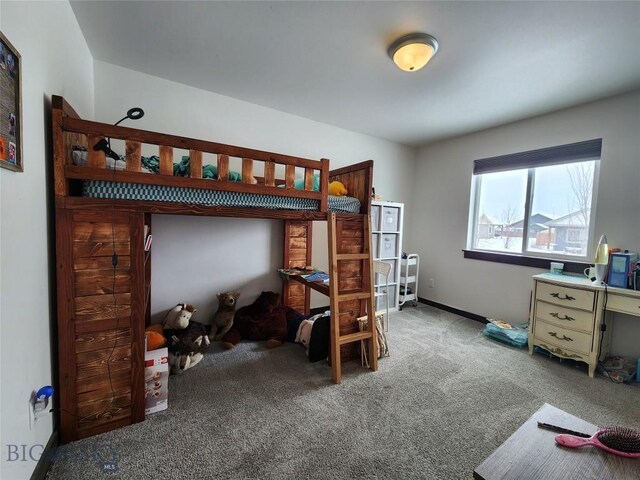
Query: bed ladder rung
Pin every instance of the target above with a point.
(355, 337)
(352, 256)
(353, 296)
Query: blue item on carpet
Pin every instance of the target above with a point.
(513, 336)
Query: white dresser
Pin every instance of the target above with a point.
(568, 313)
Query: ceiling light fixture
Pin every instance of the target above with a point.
(412, 52)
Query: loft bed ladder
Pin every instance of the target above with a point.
(350, 280)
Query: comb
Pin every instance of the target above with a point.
(556, 428)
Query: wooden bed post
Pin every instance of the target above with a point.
(324, 184)
(60, 184)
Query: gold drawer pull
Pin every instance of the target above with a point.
(566, 297)
(557, 315)
(564, 337)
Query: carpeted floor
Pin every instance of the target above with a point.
(443, 401)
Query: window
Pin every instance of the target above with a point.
(538, 203)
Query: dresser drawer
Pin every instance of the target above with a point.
(620, 303)
(563, 337)
(566, 296)
(565, 317)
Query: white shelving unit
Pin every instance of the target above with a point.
(409, 273)
(386, 232)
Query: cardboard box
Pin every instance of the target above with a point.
(156, 380)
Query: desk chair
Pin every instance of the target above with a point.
(383, 268)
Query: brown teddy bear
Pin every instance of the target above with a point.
(223, 319)
(264, 319)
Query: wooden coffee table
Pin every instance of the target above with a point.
(532, 453)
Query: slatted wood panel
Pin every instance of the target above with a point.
(100, 362)
(297, 253)
(359, 181)
(103, 411)
(106, 322)
(100, 282)
(98, 298)
(91, 341)
(92, 389)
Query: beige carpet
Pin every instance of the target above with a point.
(443, 401)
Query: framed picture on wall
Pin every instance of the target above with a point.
(11, 106)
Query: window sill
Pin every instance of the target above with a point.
(526, 261)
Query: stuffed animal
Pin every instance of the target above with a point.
(337, 188)
(187, 339)
(178, 317)
(223, 319)
(155, 337)
(180, 363)
(264, 319)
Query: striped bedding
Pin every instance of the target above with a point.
(201, 196)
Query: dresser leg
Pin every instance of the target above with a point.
(592, 370)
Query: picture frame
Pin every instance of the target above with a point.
(11, 103)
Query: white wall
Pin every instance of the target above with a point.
(55, 60)
(441, 207)
(195, 257)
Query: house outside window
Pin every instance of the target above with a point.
(538, 204)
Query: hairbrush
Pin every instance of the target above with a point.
(621, 441)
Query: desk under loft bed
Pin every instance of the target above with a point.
(104, 205)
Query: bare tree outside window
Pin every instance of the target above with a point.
(508, 217)
(581, 179)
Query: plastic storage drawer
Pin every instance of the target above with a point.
(390, 219)
(388, 245)
(375, 218)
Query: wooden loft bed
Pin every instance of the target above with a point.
(103, 308)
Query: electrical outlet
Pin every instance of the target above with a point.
(32, 414)
(39, 406)
(432, 283)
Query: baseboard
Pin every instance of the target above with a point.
(441, 306)
(44, 463)
(457, 311)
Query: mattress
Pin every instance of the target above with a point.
(202, 196)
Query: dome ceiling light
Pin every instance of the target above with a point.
(413, 51)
